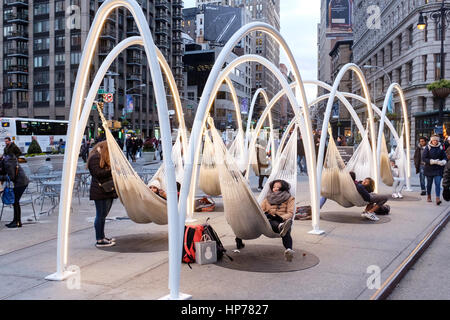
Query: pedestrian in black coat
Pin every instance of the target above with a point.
(100, 168)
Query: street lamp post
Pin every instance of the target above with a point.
(126, 91)
(440, 17)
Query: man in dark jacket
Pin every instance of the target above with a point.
(11, 148)
(12, 171)
(419, 164)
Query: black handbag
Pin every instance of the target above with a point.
(108, 186)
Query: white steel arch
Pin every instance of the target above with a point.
(320, 158)
(200, 118)
(74, 138)
(392, 87)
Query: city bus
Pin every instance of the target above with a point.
(22, 131)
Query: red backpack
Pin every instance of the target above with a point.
(192, 234)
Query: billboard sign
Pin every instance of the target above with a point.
(339, 17)
(221, 23)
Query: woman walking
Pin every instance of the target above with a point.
(102, 190)
(12, 171)
(434, 158)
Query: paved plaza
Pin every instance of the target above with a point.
(137, 268)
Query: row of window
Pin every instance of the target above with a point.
(43, 59)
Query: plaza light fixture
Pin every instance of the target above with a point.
(422, 24)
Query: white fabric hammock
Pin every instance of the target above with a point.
(242, 211)
(361, 163)
(399, 157)
(141, 204)
(337, 184)
(236, 151)
(385, 165)
(208, 180)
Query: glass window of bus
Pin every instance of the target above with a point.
(24, 128)
(60, 129)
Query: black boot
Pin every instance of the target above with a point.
(14, 224)
(17, 215)
(239, 243)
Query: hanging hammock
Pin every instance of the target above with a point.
(208, 180)
(385, 165)
(337, 184)
(361, 163)
(261, 163)
(242, 211)
(237, 152)
(399, 157)
(141, 204)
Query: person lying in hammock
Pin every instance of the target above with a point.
(278, 207)
(155, 186)
(375, 201)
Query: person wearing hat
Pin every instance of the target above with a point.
(155, 186)
(435, 159)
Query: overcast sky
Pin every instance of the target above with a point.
(299, 19)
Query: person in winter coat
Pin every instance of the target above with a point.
(278, 207)
(301, 159)
(375, 201)
(446, 182)
(263, 163)
(11, 148)
(419, 164)
(435, 159)
(100, 168)
(10, 169)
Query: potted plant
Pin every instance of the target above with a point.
(148, 151)
(440, 89)
(35, 157)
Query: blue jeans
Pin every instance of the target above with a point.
(322, 201)
(422, 179)
(102, 208)
(301, 161)
(437, 185)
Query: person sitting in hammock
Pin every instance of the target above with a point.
(155, 186)
(278, 207)
(375, 201)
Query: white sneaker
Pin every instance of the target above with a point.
(289, 254)
(399, 195)
(395, 195)
(370, 216)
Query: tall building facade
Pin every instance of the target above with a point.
(401, 53)
(334, 30)
(266, 11)
(42, 43)
(208, 27)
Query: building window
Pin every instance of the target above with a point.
(41, 26)
(41, 44)
(409, 67)
(75, 57)
(41, 61)
(59, 6)
(41, 8)
(425, 67)
(60, 94)
(437, 66)
(60, 23)
(60, 41)
(75, 40)
(60, 59)
(60, 76)
(41, 77)
(41, 96)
